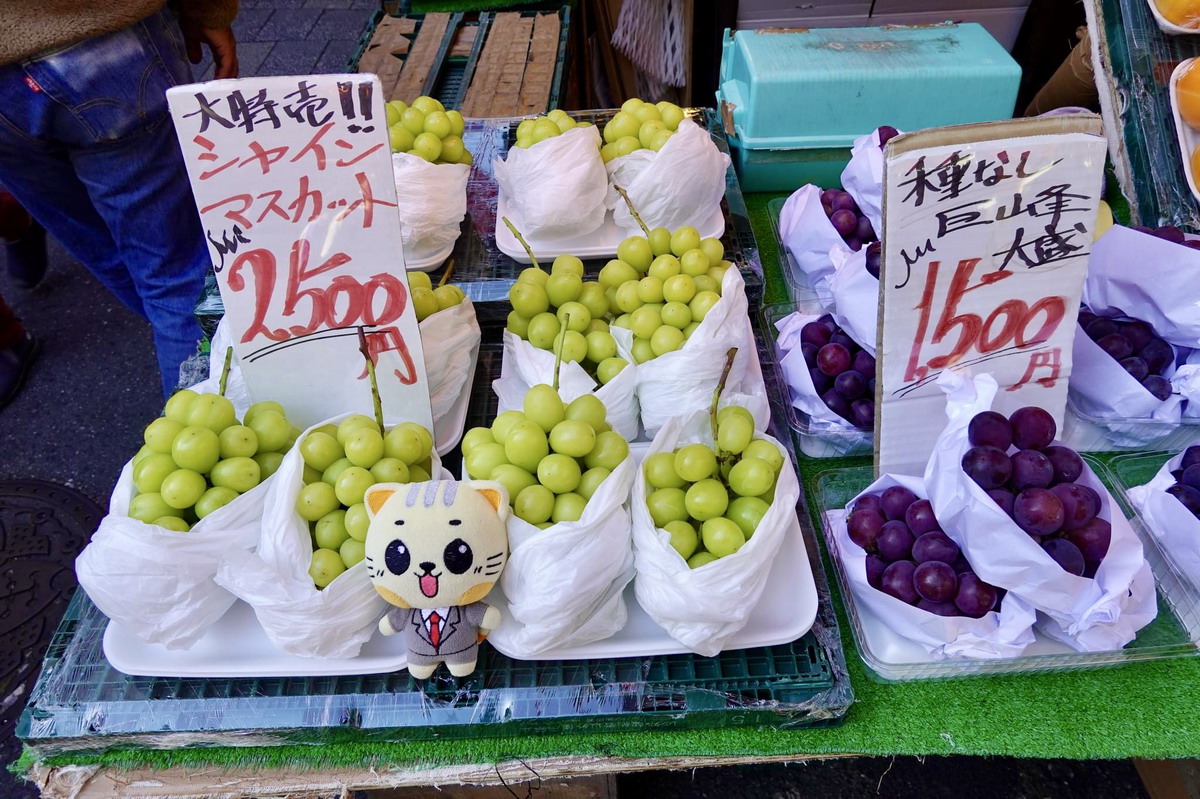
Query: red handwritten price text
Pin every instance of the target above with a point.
(1012, 324)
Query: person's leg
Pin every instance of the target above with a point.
(25, 247)
(18, 350)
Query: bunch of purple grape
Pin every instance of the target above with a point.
(1187, 481)
(911, 559)
(1036, 487)
(1169, 233)
(847, 219)
(842, 372)
(1134, 345)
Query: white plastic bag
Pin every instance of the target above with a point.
(808, 237)
(863, 178)
(997, 634)
(450, 341)
(681, 381)
(1089, 615)
(297, 617)
(1131, 273)
(1173, 526)
(525, 366)
(795, 373)
(681, 184)
(702, 608)
(564, 584)
(855, 296)
(158, 583)
(555, 189)
(431, 200)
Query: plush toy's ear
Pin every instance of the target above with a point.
(495, 493)
(377, 495)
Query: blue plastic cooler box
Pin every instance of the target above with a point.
(793, 101)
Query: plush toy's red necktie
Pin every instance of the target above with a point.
(435, 630)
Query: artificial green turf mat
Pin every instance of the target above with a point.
(1142, 710)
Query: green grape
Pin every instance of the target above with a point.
(405, 443)
(666, 339)
(660, 241)
(609, 368)
(457, 125)
(427, 146)
(694, 263)
(149, 473)
(400, 138)
(623, 321)
(269, 463)
(746, 513)
(214, 498)
(684, 239)
(717, 273)
(518, 324)
(423, 435)
(702, 303)
(350, 424)
(574, 316)
(706, 499)
(734, 410)
(597, 326)
(513, 478)
(331, 474)
(476, 436)
(642, 351)
(626, 145)
(621, 125)
(713, 249)
(425, 303)
(573, 438)
(390, 470)
(364, 447)
(672, 114)
(351, 552)
(701, 558)
(683, 538)
(483, 460)
(680, 288)
(326, 564)
(543, 329)
(352, 485)
(427, 104)
(272, 430)
(418, 474)
(357, 521)
(544, 407)
(214, 412)
(734, 434)
(695, 462)
(664, 267)
(600, 346)
(505, 422)
(562, 119)
(535, 275)
(766, 451)
(628, 297)
(314, 501)
(177, 406)
(572, 345)
(563, 287)
(148, 507)
(240, 474)
(320, 450)
(525, 446)
(528, 299)
(544, 129)
(330, 530)
(161, 433)
(437, 123)
(608, 152)
(419, 280)
(534, 504)
(182, 488)
(142, 453)
(559, 473)
(616, 272)
(648, 130)
(677, 315)
(706, 283)
(448, 296)
(650, 289)
(567, 508)
(667, 505)
(565, 264)
(590, 481)
(721, 536)
(609, 451)
(594, 298)
(644, 321)
(646, 112)
(636, 252)
(196, 448)
(588, 408)
(173, 523)
(751, 477)
(660, 472)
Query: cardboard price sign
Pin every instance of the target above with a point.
(293, 180)
(987, 231)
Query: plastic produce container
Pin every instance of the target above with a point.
(793, 101)
(1088, 433)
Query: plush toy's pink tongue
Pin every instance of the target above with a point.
(429, 585)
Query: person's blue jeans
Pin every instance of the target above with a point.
(88, 147)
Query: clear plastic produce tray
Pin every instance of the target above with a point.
(1088, 433)
(1137, 469)
(890, 658)
(797, 281)
(812, 439)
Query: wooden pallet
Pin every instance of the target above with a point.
(516, 68)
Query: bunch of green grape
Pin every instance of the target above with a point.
(640, 125)
(711, 500)
(198, 458)
(427, 300)
(427, 130)
(538, 129)
(340, 463)
(661, 288)
(560, 308)
(550, 456)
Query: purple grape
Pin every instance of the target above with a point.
(920, 519)
(842, 337)
(854, 243)
(935, 581)
(1038, 511)
(1177, 475)
(894, 502)
(1143, 229)
(1003, 498)
(1137, 333)
(1191, 476)
(844, 201)
(870, 501)
(1115, 345)
(827, 208)
(862, 413)
(821, 381)
(1092, 539)
(1191, 456)
(987, 466)
(815, 333)
(886, 134)
(894, 542)
(1031, 469)
(1100, 328)
(843, 222)
(1136, 367)
(1065, 554)
(1086, 318)
(864, 364)
(875, 569)
(863, 527)
(1066, 462)
(939, 608)
(874, 255)
(898, 581)
(837, 403)
(1159, 386)
(1189, 496)
(1090, 567)
(975, 598)
(1169, 233)
(864, 231)
(850, 384)
(990, 429)
(1080, 504)
(934, 545)
(960, 566)
(1192, 244)
(833, 359)
(828, 196)
(1157, 355)
(1032, 428)
(871, 386)
(828, 321)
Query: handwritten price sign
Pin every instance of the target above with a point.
(987, 232)
(293, 180)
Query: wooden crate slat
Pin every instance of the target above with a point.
(512, 74)
(464, 42)
(483, 83)
(389, 38)
(421, 59)
(539, 71)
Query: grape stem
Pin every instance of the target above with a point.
(716, 399)
(225, 370)
(632, 210)
(376, 401)
(446, 275)
(521, 239)
(558, 353)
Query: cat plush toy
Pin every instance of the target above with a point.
(434, 550)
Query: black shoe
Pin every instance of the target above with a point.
(14, 367)
(27, 257)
